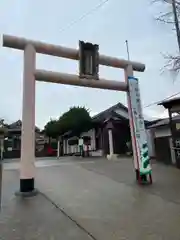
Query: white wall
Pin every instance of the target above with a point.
(150, 141)
(64, 147)
(73, 149)
(92, 134)
(156, 133)
(68, 149)
(173, 157)
(162, 132)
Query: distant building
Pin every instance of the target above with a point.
(114, 122)
(12, 143)
(167, 134)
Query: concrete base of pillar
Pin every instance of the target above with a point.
(27, 194)
(112, 156)
(137, 174)
(27, 188)
(141, 178)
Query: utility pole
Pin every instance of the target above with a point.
(1, 167)
(2, 133)
(127, 47)
(176, 21)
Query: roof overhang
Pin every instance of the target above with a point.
(173, 104)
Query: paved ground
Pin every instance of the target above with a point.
(99, 198)
(34, 218)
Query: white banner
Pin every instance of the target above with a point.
(139, 127)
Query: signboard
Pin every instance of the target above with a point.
(88, 60)
(139, 128)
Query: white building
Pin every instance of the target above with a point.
(109, 134)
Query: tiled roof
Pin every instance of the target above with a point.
(164, 122)
(171, 100)
(108, 112)
(111, 113)
(17, 126)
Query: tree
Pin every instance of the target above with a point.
(3, 127)
(172, 16)
(75, 121)
(172, 8)
(51, 129)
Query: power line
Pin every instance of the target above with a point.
(84, 15)
(89, 13)
(155, 103)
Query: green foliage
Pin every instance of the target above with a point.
(54, 145)
(3, 127)
(51, 129)
(76, 120)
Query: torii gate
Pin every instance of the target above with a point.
(31, 74)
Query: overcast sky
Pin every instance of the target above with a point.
(109, 27)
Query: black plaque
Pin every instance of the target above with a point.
(88, 60)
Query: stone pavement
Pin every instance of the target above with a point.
(34, 218)
(166, 179)
(100, 199)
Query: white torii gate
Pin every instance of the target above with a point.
(30, 74)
